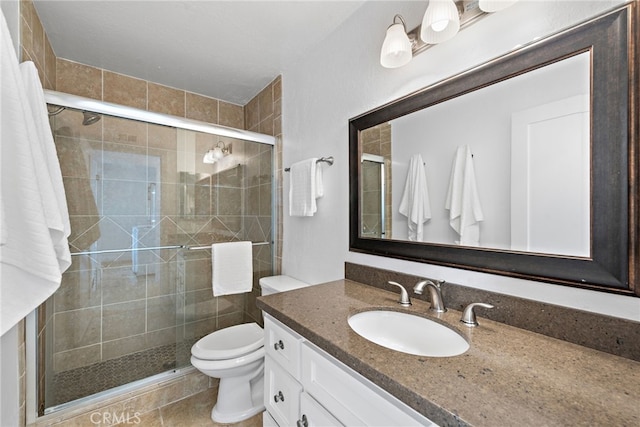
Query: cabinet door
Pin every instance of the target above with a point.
(283, 345)
(313, 414)
(351, 398)
(281, 394)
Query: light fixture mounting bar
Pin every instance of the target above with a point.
(470, 13)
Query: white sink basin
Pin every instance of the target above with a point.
(408, 333)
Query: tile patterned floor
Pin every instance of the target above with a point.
(194, 411)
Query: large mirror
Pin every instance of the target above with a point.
(524, 166)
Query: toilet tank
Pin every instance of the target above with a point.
(274, 284)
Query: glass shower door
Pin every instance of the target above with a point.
(134, 300)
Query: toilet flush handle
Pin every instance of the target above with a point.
(279, 344)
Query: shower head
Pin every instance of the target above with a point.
(90, 118)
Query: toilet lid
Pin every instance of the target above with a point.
(230, 342)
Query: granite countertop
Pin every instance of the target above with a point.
(509, 376)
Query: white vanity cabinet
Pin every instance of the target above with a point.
(306, 387)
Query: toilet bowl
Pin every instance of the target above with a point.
(235, 355)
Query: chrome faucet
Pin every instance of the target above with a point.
(404, 301)
(435, 293)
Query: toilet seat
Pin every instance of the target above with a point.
(237, 362)
(229, 343)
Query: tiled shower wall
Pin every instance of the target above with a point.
(115, 304)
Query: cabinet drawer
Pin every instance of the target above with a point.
(281, 394)
(350, 397)
(283, 345)
(312, 414)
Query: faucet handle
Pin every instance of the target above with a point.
(404, 300)
(469, 316)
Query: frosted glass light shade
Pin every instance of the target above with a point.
(441, 21)
(209, 157)
(217, 153)
(490, 6)
(396, 48)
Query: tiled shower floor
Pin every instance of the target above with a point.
(85, 381)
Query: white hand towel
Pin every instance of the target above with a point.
(319, 182)
(48, 172)
(465, 211)
(231, 267)
(415, 204)
(302, 188)
(28, 261)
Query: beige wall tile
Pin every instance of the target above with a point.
(125, 131)
(49, 66)
(125, 90)
(231, 115)
(266, 126)
(161, 312)
(77, 328)
(252, 114)
(163, 137)
(121, 284)
(163, 99)
(26, 35)
(38, 41)
(200, 305)
(123, 319)
(78, 289)
(78, 79)
(265, 101)
(76, 358)
(201, 108)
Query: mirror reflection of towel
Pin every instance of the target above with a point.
(415, 203)
(463, 202)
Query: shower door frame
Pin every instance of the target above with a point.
(121, 111)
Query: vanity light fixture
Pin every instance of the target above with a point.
(396, 48)
(442, 20)
(216, 153)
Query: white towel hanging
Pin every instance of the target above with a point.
(415, 204)
(231, 268)
(30, 269)
(303, 189)
(465, 211)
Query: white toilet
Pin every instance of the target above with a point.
(236, 356)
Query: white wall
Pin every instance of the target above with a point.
(9, 377)
(342, 78)
(11, 12)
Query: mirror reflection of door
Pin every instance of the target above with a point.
(550, 211)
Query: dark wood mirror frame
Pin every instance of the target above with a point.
(614, 262)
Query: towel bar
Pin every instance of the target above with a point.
(156, 248)
(328, 160)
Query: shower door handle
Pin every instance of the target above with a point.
(151, 202)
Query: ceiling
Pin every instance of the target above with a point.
(229, 50)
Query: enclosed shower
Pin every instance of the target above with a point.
(144, 209)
